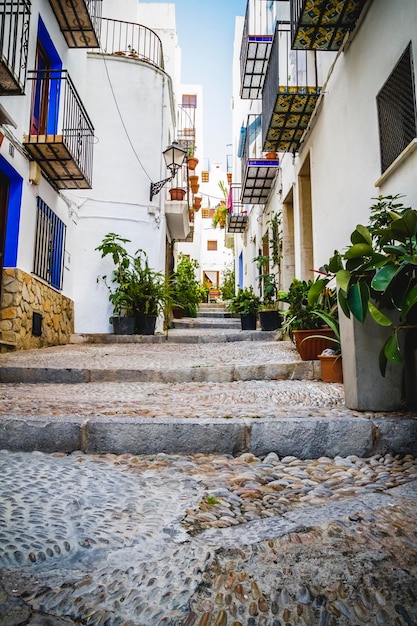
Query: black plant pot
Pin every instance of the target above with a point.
(123, 325)
(248, 321)
(145, 324)
(270, 320)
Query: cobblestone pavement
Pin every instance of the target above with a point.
(207, 540)
(198, 539)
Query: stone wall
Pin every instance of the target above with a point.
(22, 295)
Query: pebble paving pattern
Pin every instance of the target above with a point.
(152, 540)
(240, 399)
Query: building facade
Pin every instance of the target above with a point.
(332, 92)
(88, 105)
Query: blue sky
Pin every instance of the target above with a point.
(205, 33)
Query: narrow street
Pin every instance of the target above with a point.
(159, 502)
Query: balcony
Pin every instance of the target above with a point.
(61, 134)
(14, 29)
(237, 215)
(258, 170)
(319, 25)
(256, 46)
(177, 217)
(289, 95)
(79, 21)
(131, 40)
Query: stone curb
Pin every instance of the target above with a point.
(305, 438)
(297, 370)
(178, 336)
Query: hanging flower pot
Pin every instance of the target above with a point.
(197, 203)
(192, 163)
(229, 178)
(271, 155)
(193, 180)
(177, 193)
(195, 188)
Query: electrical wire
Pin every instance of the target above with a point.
(121, 118)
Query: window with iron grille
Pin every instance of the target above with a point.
(212, 245)
(397, 111)
(49, 246)
(189, 101)
(205, 177)
(207, 213)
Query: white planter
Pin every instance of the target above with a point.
(365, 388)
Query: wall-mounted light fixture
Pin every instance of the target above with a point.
(174, 157)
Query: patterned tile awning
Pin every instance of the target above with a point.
(290, 118)
(79, 21)
(318, 25)
(255, 55)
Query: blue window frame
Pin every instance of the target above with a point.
(46, 93)
(49, 245)
(13, 213)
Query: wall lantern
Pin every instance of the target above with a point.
(174, 157)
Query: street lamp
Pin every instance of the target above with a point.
(174, 157)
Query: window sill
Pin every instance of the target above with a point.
(398, 161)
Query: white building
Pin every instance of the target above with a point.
(337, 103)
(83, 128)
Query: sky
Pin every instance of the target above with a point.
(205, 35)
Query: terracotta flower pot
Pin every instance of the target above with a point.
(331, 368)
(192, 163)
(308, 346)
(177, 193)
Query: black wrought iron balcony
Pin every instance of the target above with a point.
(289, 95)
(258, 170)
(318, 25)
(131, 40)
(255, 50)
(79, 21)
(61, 135)
(237, 215)
(14, 31)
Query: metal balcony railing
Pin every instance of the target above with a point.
(186, 133)
(289, 95)
(61, 134)
(79, 21)
(237, 215)
(258, 169)
(322, 25)
(258, 31)
(14, 32)
(131, 40)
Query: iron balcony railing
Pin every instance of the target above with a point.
(61, 133)
(237, 215)
(14, 33)
(131, 40)
(317, 25)
(186, 133)
(289, 95)
(258, 31)
(79, 21)
(259, 170)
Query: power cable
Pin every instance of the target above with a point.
(121, 118)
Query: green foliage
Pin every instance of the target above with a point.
(307, 301)
(227, 288)
(186, 291)
(220, 214)
(379, 271)
(134, 286)
(245, 301)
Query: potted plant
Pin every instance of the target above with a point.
(186, 291)
(246, 303)
(377, 281)
(120, 287)
(269, 316)
(191, 159)
(331, 358)
(301, 323)
(177, 193)
(149, 292)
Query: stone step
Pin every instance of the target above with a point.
(206, 322)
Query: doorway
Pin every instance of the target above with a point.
(4, 203)
(306, 221)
